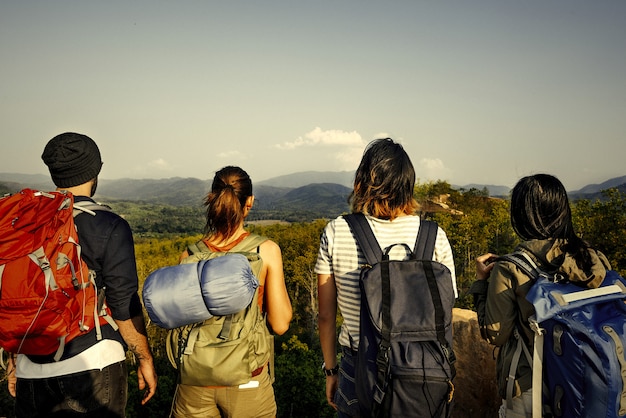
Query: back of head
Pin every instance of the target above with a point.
(72, 159)
(226, 201)
(540, 210)
(384, 181)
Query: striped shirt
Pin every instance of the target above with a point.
(339, 256)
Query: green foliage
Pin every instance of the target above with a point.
(148, 219)
(161, 402)
(602, 223)
(7, 402)
(6, 189)
(300, 386)
(482, 227)
(299, 244)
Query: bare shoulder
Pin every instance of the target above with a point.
(269, 248)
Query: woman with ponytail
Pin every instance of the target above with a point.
(227, 205)
(542, 218)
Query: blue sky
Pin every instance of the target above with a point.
(477, 91)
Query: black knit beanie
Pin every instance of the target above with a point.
(72, 159)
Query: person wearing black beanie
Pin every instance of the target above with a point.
(72, 159)
(91, 374)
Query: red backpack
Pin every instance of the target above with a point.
(48, 296)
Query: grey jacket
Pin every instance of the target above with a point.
(502, 306)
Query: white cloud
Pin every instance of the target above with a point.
(231, 154)
(431, 163)
(432, 169)
(317, 136)
(349, 159)
(384, 135)
(160, 164)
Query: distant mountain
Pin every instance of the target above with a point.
(596, 188)
(306, 191)
(345, 178)
(175, 191)
(313, 201)
(20, 181)
(317, 196)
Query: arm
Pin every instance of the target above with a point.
(501, 306)
(327, 296)
(479, 289)
(278, 305)
(119, 275)
(134, 333)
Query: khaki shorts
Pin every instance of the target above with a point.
(254, 399)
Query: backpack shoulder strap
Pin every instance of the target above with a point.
(424, 250)
(89, 207)
(524, 262)
(364, 237)
(250, 243)
(528, 266)
(198, 247)
(425, 241)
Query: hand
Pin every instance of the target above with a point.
(11, 376)
(147, 376)
(332, 382)
(484, 264)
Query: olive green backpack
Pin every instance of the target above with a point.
(223, 350)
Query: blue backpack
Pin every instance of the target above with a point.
(405, 362)
(579, 368)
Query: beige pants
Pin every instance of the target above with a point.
(255, 399)
(522, 406)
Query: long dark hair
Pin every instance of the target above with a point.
(226, 201)
(540, 210)
(384, 181)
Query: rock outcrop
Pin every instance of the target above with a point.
(476, 393)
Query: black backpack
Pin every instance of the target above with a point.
(405, 361)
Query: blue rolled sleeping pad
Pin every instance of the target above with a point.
(188, 293)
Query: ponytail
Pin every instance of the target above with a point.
(226, 201)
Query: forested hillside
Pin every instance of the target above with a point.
(473, 221)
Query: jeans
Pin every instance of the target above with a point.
(345, 397)
(92, 393)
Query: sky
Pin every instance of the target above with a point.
(477, 91)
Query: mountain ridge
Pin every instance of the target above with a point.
(190, 191)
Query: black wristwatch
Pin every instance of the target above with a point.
(330, 372)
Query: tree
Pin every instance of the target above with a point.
(602, 223)
(300, 386)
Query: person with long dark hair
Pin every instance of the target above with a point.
(542, 218)
(383, 191)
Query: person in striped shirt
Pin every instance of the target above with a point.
(383, 191)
